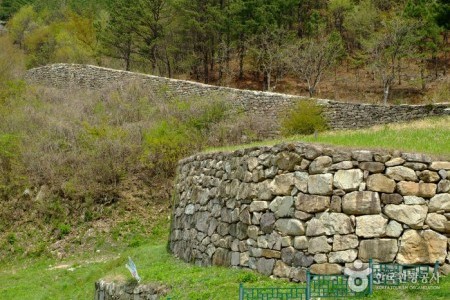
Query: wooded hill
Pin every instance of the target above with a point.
(350, 49)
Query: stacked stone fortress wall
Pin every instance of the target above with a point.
(281, 209)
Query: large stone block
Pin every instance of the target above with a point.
(265, 266)
(348, 180)
(326, 268)
(312, 203)
(343, 256)
(400, 173)
(267, 222)
(344, 242)
(371, 226)
(361, 203)
(440, 202)
(380, 183)
(290, 227)
(282, 206)
(320, 184)
(318, 245)
(287, 160)
(421, 189)
(438, 222)
(381, 250)
(411, 215)
(282, 185)
(320, 165)
(422, 247)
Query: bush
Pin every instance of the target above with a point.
(305, 118)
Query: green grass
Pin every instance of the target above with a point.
(35, 279)
(430, 136)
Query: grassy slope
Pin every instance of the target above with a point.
(430, 136)
(32, 279)
(37, 280)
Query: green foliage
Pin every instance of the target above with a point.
(305, 118)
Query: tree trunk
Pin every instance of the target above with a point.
(422, 75)
(386, 93)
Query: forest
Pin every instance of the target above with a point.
(294, 46)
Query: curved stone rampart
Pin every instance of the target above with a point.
(280, 209)
(266, 105)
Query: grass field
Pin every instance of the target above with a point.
(74, 279)
(430, 136)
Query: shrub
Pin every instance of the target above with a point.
(305, 118)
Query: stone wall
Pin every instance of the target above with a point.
(265, 105)
(280, 209)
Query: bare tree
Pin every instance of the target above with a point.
(386, 50)
(310, 59)
(266, 51)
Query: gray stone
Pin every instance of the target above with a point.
(252, 232)
(286, 241)
(395, 162)
(235, 258)
(298, 274)
(320, 184)
(281, 269)
(315, 227)
(443, 174)
(394, 229)
(401, 173)
(381, 250)
(245, 216)
(443, 186)
(336, 223)
(336, 204)
(271, 172)
(380, 183)
(190, 209)
(312, 203)
(371, 226)
(202, 223)
(282, 184)
(429, 176)
(320, 258)
(348, 180)
(416, 166)
(422, 247)
(267, 222)
(312, 151)
(301, 242)
(411, 215)
(287, 255)
(302, 260)
(414, 200)
(344, 242)
(440, 202)
(282, 206)
(326, 268)
(252, 163)
(301, 181)
(258, 206)
(342, 256)
(290, 227)
(343, 165)
(244, 258)
(362, 155)
(287, 160)
(320, 165)
(339, 156)
(265, 266)
(438, 222)
(416, 157)
(372, 167)
(361, 203)
(318, 245)
(391, 198)
(298, 214)
(221, 257)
